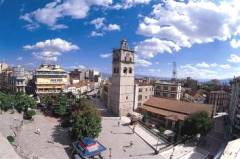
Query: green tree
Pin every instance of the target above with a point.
(23, 102)
(197, 123)
(61, 108)
(86, 120)
(145, 117)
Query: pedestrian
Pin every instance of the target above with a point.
(38, 131)
(131, 143)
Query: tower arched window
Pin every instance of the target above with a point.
(125, 70)
(130, 70)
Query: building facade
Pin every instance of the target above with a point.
(234, 108)
(18, 80)
(220, 99)
(171, 113)
(121, 97)
(50, 79)
(142, 92)
(76, 76)
(165, 89)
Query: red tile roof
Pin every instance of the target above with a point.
(174, 109)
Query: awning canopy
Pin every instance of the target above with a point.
(88, 147)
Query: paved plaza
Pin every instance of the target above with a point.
(119, 139)
(117, 136)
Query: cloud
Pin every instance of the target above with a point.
(126, 4)
(98, 22)
(234, 58)
(235, 43)
(203, 65)
(56, 10)
(142, 62)
(112, 27)
(151, 47)
(19, 58)
(82, 67)
(101, 27)
(95, 34)
(225, 66)
(50, 50)
(106, 55)
(206, 71)
(174, 25)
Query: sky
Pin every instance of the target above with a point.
(201, 36)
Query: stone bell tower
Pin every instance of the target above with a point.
(122, 88)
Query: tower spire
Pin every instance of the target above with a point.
(124, 44)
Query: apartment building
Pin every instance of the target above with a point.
(165, 89)
(142, 92)
(50, 79)
(17, 81)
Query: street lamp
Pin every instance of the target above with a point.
(110, 153)
(171, 157)
(1, 106)
(156, 151)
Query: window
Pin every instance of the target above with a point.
(130, 70)
(114, 70)
(125, 70)
(139, 97)
(165, 88)
(146, 97)
(173, 88)
(146, 89)
(139, 104)
(126, 97)
(140, 90)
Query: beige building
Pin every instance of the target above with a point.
(3, 66)
(50, 79)
(121, 97)
(142, 92)
(165, 89)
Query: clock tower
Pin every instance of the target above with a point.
(122, 82)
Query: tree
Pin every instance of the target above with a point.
(197, 123)
(86, 120)
(23, 102)
(61, 107)
(145, 117)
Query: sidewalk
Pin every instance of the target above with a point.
(184, 152)
(153, 141)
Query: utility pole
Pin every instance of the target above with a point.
(174, 72)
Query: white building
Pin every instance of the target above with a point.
(165, 89)
(142, 92)
(121, 97)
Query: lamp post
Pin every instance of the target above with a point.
(110, 153)
(156, 151)
(1, 107)
(171, 156)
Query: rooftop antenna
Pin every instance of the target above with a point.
(174, 72)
